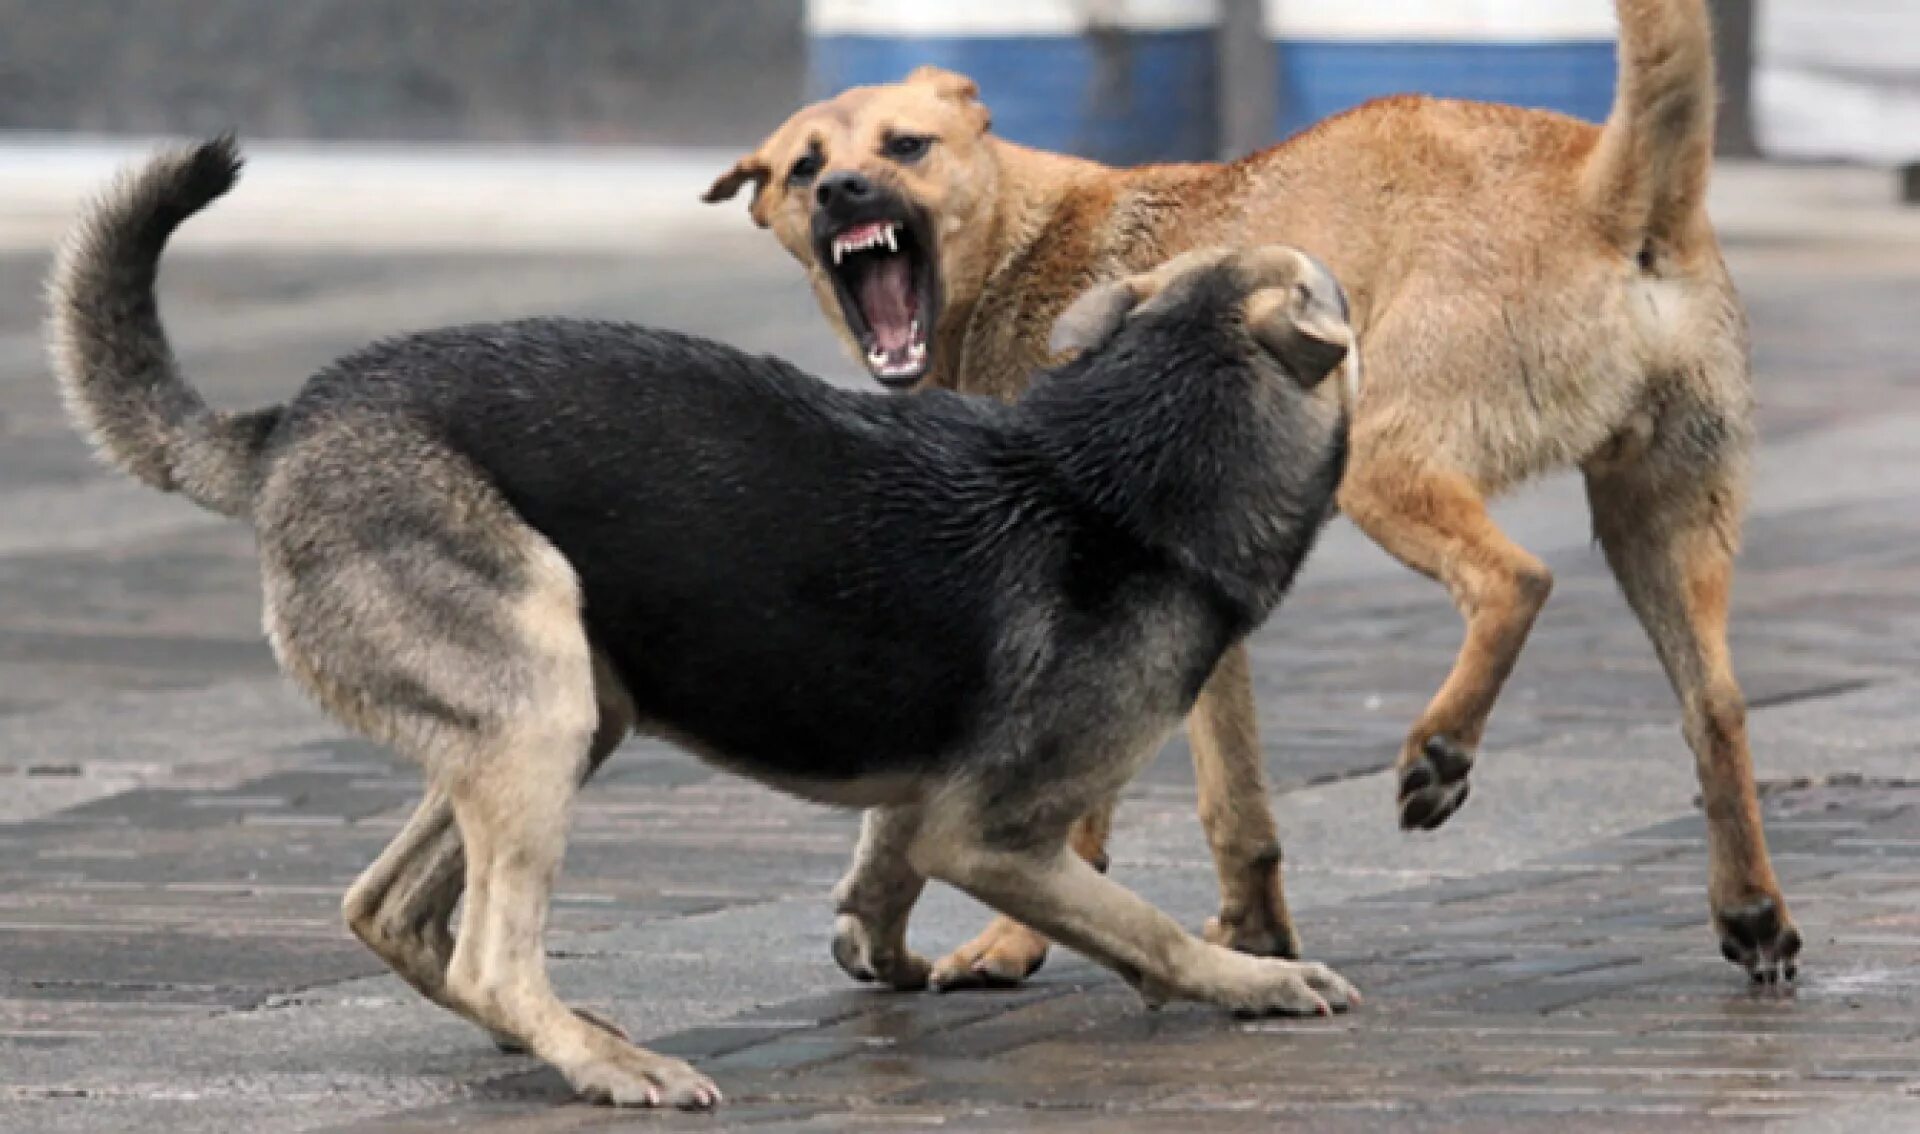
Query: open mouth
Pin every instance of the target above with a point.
(884, 277)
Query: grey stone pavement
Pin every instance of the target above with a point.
(176, 825)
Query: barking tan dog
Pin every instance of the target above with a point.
(1531, 291)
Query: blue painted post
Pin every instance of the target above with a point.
(1123, 81)
(1337, 54)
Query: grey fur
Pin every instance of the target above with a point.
(116, 369)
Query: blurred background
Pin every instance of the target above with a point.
(1122, 80)
(176, 822)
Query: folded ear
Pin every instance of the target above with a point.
(949, 84)
(752, 168)
(1093, 318)
(1308, 337)
(957, 88)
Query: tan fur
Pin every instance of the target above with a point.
(1531, 292)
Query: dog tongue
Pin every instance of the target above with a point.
(886, 299)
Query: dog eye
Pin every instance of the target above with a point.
(908, 147)
(804, 170)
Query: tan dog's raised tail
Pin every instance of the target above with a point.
(1532, 292)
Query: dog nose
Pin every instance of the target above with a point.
(843, 190)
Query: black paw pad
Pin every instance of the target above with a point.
(1758, 938)
(1435, 786)
(1451, 761)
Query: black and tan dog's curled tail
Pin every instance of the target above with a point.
(110, 353)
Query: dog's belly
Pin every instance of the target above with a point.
(791, 692)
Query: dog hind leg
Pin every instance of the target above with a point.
(873, 902)
(477, 665)
(1669, 530)
(402, 906)
(512, 792)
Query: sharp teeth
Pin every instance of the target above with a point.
(839, 250)
(877, 358)
(892, 245)
(917, 351)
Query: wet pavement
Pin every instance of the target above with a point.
(176, 826)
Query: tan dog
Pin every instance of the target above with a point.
(1531, 292)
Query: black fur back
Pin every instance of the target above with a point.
(822, 583)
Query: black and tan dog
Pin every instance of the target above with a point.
(500, 549)
(1531, 292)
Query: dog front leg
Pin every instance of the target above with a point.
(1007, 952)
(873, 902)
(1224, 733)
(1059, 894)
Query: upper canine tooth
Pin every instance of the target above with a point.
(892, 245)
(839, 250)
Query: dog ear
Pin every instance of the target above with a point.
(956, 88)
(1093, 318)
(1309, 337)
(752, 168)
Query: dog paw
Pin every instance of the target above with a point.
(1434, 785)
(510, 1046)
(635, 1077)
(862, 958)
(1292, 988)
(1005, 954)
(1259, 934)
(1761, 938)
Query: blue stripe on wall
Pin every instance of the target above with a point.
(1319, 78)
(1136, 97)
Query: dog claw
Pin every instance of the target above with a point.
(633, 1077)
(1292, 988)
